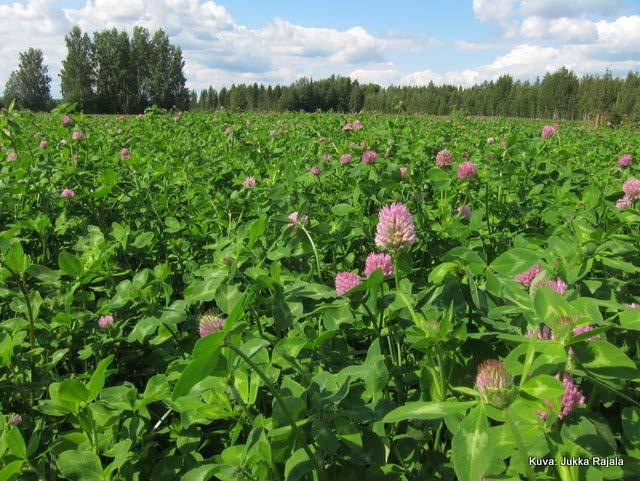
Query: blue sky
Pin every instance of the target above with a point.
(406, 42)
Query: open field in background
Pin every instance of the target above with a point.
(193, 298)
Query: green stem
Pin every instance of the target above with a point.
(25, 293)
(443, 388)
(390, 345)
(259, 325)
(392, 333)
(271, 248)
(238, 397)
(488, 214)
(436, 443)
(381, 309)
(247, 473)
(315, 251)
(521, 449)
(395, 270)
(379, 330)
(276, 394)
(32, 330)
(563, 471)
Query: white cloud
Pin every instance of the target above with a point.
(619, 39)
(173, 16)
(383, 75)
(527, 61)
(465, 78)
(467, 46)
(569, 8)
(486, 10)
(616, 40)
(36, 24)
(219, 51)
(573, 29)
(561, 29)
(523, 61)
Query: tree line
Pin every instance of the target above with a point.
(111, 72)
(560, 94)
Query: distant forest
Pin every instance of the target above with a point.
(559, 95)
(111, 72)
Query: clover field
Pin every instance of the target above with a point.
(284, 297)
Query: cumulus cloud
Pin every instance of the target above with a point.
(527, 61)
(521, 62)
(536, 36)
(464, 78)
(562, 29)
(569, 8)
(36, 24)
(382, 75)
(174, 16)
(217, 50)
(619, 39)
(487, 10)
(467, 46)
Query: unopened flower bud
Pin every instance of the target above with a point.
(495, 383)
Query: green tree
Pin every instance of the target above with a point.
(223, 98)
(288, 100)
(238, 97)
(139, 68)
(166, 78)
(559, 94)
(29, 85)
(503, 87)
(212, 99)
(203, 103)
(77, 74)
(356, 99)
(12, 90)
(114, 90)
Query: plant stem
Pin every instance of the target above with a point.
(379, 330)
(276, 394)
(563, 471)
(521, 449)
(270, 248)
(443, 388)
(395, 270)
(24, 289)
(157, 425)
(247, 473)
(436, 443)
(25, 293)
(315, 251)
(397, 280)
(381, 309)
(488, 214)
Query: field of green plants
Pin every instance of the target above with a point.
(283, 297)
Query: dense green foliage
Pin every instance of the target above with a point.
(115, 74)
(29, 86)
(77, 74)
(559, 95)
(110, 73)
(302, 383)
